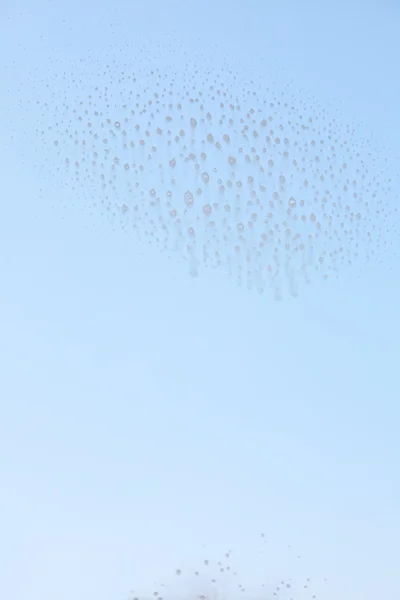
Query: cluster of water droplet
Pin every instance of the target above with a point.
(263, 184)
(217, 580)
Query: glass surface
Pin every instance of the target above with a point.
(199, 331)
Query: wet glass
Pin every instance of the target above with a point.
(199, 255)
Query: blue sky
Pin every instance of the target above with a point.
(151, 420)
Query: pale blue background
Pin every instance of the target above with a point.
(145, 414)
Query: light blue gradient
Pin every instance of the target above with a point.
(146, 414)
